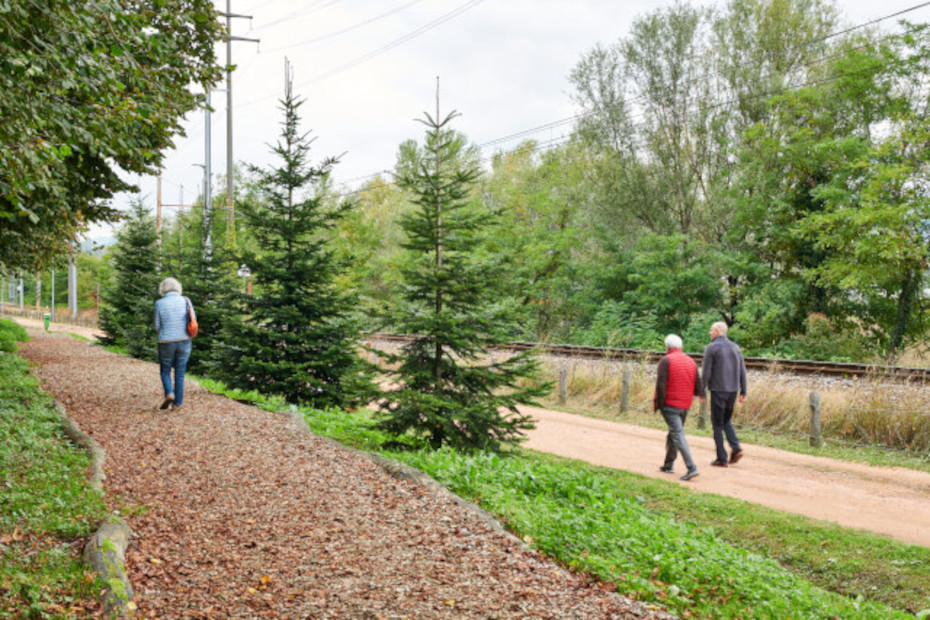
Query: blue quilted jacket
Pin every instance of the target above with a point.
(171, 318)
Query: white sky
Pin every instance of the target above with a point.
(503, 64)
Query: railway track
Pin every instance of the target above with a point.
(801, 367)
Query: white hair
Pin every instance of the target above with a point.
(168, 285)
(721, 328)
(673, 342)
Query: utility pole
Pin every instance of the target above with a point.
(230, 195)
(207, 201)
(439, 240)
(180, 226)
(72, 287)
(158, 210)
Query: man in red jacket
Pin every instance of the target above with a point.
(677, 383)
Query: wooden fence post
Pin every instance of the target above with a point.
(625, 391)
(563, 384)
(702, 414)
(816, 429)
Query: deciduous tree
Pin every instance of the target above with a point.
(88, 90)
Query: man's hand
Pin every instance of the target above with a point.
(742, 398)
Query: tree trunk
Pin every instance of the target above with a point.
(907, 302)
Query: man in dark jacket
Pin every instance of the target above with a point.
(725, 377)
(677, 383)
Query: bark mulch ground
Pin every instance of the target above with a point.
(238, 513)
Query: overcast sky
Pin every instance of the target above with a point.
(367, 68)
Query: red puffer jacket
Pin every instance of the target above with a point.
(677, 381)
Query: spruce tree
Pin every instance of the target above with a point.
(126, 311)
(295, 339)
(450, 391)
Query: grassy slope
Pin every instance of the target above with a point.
(47, 508)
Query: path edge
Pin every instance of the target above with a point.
(105, 552)
(95, 450)
(402, 471)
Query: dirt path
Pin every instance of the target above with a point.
(237, 513)
(64, 328)
(887, 500)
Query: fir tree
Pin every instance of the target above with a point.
(126, 311)
(450, 392)
(295, 339)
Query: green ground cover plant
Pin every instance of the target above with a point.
(666, 545)
(10, 334)
(47, 508)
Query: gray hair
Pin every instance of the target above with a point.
(168, 285)
(673, 342)
(721, 328)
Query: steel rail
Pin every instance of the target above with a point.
(801, 367)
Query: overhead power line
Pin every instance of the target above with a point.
(572, 119)
(345, 30)
(407, 37)
(872, 22)
(577, 117)
(381, 50)
(558, 141)
(301, 12)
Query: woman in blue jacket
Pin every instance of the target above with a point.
(172, 312)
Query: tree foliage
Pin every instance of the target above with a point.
(448, 391)
(88, 90)
(126, 312)
(295, 339)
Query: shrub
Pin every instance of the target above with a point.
(7, 342)
(821, 340)
(16, 331)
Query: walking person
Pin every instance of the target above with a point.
(677, 383)
(172, 313)
(725, 377)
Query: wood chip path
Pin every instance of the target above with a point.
(237, 513)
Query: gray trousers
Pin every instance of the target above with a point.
(675, 442)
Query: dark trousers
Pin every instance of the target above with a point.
(721, 414)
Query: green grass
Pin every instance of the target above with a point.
(47, 508)
(13, 330)
(10, 333)
(695, 554)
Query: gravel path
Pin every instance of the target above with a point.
(237, 513)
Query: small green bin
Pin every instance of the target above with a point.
(47, 319)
